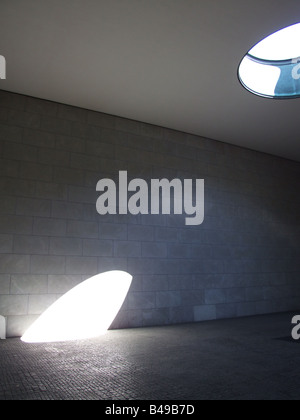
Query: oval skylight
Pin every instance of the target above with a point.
(272, 68)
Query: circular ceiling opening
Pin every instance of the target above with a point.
(272, 68)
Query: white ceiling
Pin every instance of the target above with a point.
(167, 62)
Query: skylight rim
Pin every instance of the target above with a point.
(272, 62)
(267, 55)
(288, 55)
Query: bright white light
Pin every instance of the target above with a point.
(2, 328)
(282, 45)
(259, 78)
(86, 311)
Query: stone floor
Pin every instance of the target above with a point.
(249, 358)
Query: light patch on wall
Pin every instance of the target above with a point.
(84, 312)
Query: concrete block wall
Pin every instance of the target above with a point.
(243, 260)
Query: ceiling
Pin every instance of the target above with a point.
(171, 63)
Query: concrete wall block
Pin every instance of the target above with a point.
(153, 317)
(20, 152)
(31, 244)
(227, 311)
(49, 227)
(186, 266)
(33, 207)
(28, 284)
(4, 115)
(254, 294)
(6, 244)
(23, 119)
(265, 307)
(14, 264)
(5, 284)
(56, 125)
(181, 314)
(200, 251)
(127, 249)
(205, 313)
(192, 297)
(155, 283)
(11, 133)
(207, 281)
(168, 299)
(51, 191)
(154, 250)
(246, 309)
(82, 161)
(178, 250)
(55, 157)
(65, 246)
(15, 224)
(38, 138)
(17, 187)
(9, 168)
(41, 264)
(97, 148)
(69, 176)
(85, 131)
(13, 305)
(66, 210)
(183, 282)
(278, 292)
(140, 233)
(235, 294)
(97, 248)
(166, 234)
(141, 300)
(79, 229)
(82, 195)
(133, 141)
(70, 143)
(135, 156)
(82, 265)
(36, 171)
(113, 231)
(8, 204)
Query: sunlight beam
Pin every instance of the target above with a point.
(85, 311)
